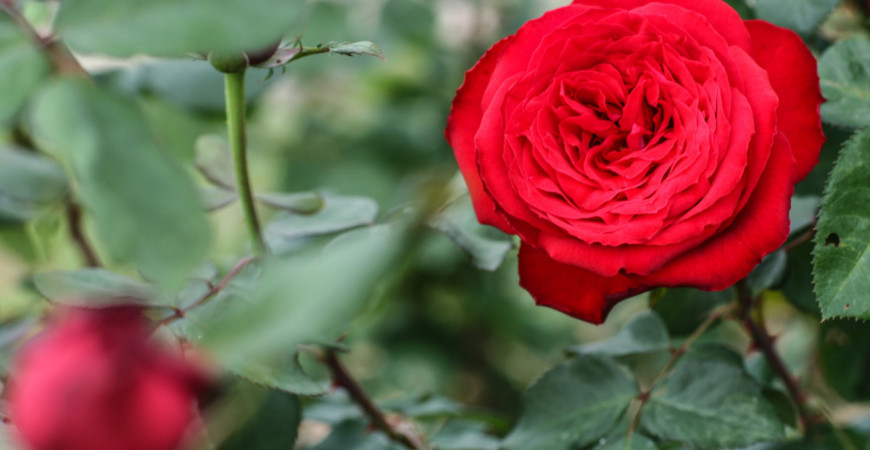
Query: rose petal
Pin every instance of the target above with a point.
(793, 75)
(572, 290)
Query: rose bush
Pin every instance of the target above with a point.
(636, 143)
(93, 380)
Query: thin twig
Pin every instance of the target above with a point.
(796, 242)
(214, 290)
(676, 354)
(342, 378)
(762, 340)
(74, 217)
(61, 58)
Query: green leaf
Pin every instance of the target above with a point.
(573, 405)
(463, 435)
(302, 298)
(214, 160)
(28, 183)
(288, 376)
(487, 246)
(23, 67)
(769, 274)
(296, 202)
(124, 179)
(684, 309)
(129, 27)
(338, 213)
(802, 16)
(802, 214)
(709, 401)
(356, 435)
(355, 48)
(92, 287)
(214, 198)
(644, 333)
(842, 252)
(844, 72)
(844, 359)
(274, 424)
(798, 286)
(742, 8)
(635, 442)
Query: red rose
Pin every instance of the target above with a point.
(94, 381)
(636, 143)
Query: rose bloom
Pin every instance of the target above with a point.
(94, 381)
(634, 144)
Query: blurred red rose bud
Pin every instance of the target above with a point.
(94, 380)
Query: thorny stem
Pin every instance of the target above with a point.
(61, 58)
(764, 342)
(714, 316)
(342, 378)
(234, 84)
(214, 290)
(796, 242)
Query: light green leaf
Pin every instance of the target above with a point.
(214, 160)
(635, 442)
(463, 435)
(296, 202)
(92, 287)
(487, 246)
(844, 72)
(289, 377)
(338, 213)
(214, 198)
(802, 16)
(710, 401)
(302, 298)
(841, 257)
(22, 68)
(355, 48)
(145, 206)
(644, 333)
(573, 405)
(28, 183)
(171, 27)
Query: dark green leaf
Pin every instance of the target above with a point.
(845, 361)
(798, 286)
(487, 246)
(338, 213)
(297, 202)
(844, 70)
(710, 401)
(684, 309)
(302, 298)
(802, 16)
(742, 8)
(356, 435)
(803, 212)
(214, 160)
(644, 333)
(573, 405)
(842, 252)
(289, 376)
(635, 442)
(91, 287)
(170, 27)
(275, 424)
(769, 274)
(124, 179)
(22, 68)
(782, 404)
(463, 435)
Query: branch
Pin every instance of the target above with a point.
(61, 58)
(644, 396)
(764, 342)
(342, 378)
(796, 242)
(180, 313)
(74, 216)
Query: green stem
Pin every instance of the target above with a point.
(235, 99)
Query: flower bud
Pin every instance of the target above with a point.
(228, 62)
(94, 380)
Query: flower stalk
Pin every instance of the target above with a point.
(234, 84)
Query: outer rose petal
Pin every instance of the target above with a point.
(463, 123)
(570, 289)
(794, 76)
(723, 17)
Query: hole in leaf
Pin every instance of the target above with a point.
(832, 239)
(847, 306)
